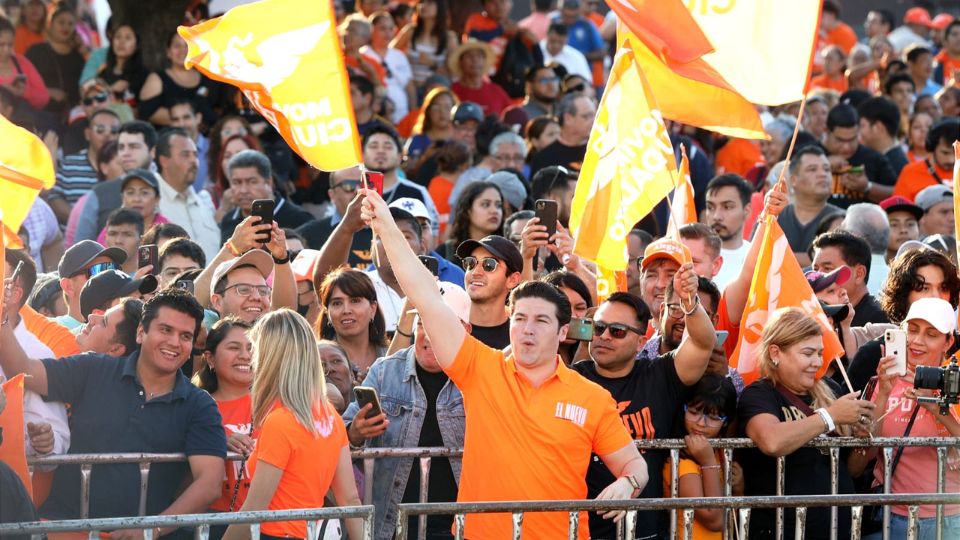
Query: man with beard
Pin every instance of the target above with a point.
(728, 208)
(381, 152)
(648, 392)
(179, 201)
(542, 89)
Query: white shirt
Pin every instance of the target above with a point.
(902, 37)
(878, 274)
(399, 74)
(194, 212)
(733, 260)
(388, 300)
(570, 58)
(35, 409)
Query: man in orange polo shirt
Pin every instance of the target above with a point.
(937, 168)
(532, 423)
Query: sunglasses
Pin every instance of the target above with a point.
(100, 129)
(98, 98)
(102, 267)
(617, 330)
(577, 88)
(489, 264)
(348, 186)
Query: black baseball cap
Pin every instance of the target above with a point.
(149, 177)
(81, 254)
(499, 247)
(109, 285)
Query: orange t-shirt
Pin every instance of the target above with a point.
(524, 443)
(738, 156)
(950, 65)
(51, 333)
(309, 463)
(24, 39)
(918, 175)
(237, 418)
(407, 123)
(440, 189)
(822, 81)
(842, 36)
(685, 467)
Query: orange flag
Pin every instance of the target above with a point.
(13, 450)
(778, 282)
(25, 168)
(285, 57)
(626, 170)
(683, 205)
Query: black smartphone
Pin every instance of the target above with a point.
(546, 211)
(365, 395)
(432, 264)
(185, 284)
(263, 208)
(148, 254)
(580, 329)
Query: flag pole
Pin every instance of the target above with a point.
(781, 184)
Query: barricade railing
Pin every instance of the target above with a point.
(744, 505)
(202, 522)
(424, 457)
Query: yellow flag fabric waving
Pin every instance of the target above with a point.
(26, 168)
(778, 282)
(285, 57)
(626, 170)
(683, 206)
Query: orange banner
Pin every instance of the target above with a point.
(284, 55)
(26, 168)
(778, 282)
(626, 170)
(12, 447)
(683, 206)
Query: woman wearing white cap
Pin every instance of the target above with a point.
(930, 326)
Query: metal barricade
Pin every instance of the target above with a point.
(800, 504)
(202, 522)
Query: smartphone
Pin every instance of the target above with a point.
(375, 181)
(432, 264)
(580, 329)
(546, 211)
(148, 254)
(365, 395)
(856, 169)
(263, 208)
(895, 343)
(185, 284)
(722, 336)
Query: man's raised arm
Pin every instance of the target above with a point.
(443, 326)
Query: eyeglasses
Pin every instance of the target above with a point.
(489, 264)
(102, 267)
(617, 330)
(348, 186)
(674, 310)
(562, 172)
(98, 98)
(577, 88)
(700, 416)
(509, 157)
(246, 290)
(548, 80)
(100, 129)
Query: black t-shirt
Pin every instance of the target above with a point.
(877, 169)
(868, 311)
(896, 158)
(442, 485)
(864, 363)
(315, 234)
(497, 337)
(649, 399)
(807, 470)
(558, 153)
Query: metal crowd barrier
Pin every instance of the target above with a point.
(424, 457)
(202, 522)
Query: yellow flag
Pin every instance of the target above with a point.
(285, 57)
(683, 206)
(626, 170)
(25, 168)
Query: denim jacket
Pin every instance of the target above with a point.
(405, 404)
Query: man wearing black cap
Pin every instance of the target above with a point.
(82, 261)
(493, 267)
(106, 289)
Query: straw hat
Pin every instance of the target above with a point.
(472, 44)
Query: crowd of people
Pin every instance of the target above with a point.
(153, 310)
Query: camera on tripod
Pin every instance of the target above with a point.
(946, 379)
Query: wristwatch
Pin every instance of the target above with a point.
(634, 484)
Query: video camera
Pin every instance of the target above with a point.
(946, 379)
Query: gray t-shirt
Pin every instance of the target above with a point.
(800, 236)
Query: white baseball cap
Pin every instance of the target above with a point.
(414, 206)
(456, 299)
(936, 311)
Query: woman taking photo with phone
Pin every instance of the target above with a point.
(930, 326)
(302, 449)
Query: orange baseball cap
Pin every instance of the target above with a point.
(666, 248)
(941, 21)
(917, 15)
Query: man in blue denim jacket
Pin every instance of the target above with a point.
(421, 408)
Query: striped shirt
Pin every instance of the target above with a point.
(75, 177)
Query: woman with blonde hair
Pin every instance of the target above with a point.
(785, 409)
(302, 450)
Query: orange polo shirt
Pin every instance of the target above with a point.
(917, 175)
(526, 443)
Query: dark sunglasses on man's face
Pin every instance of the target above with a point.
(98, 98)
(348, 186)
(102, 267)
(489, 264)
(617, 330)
